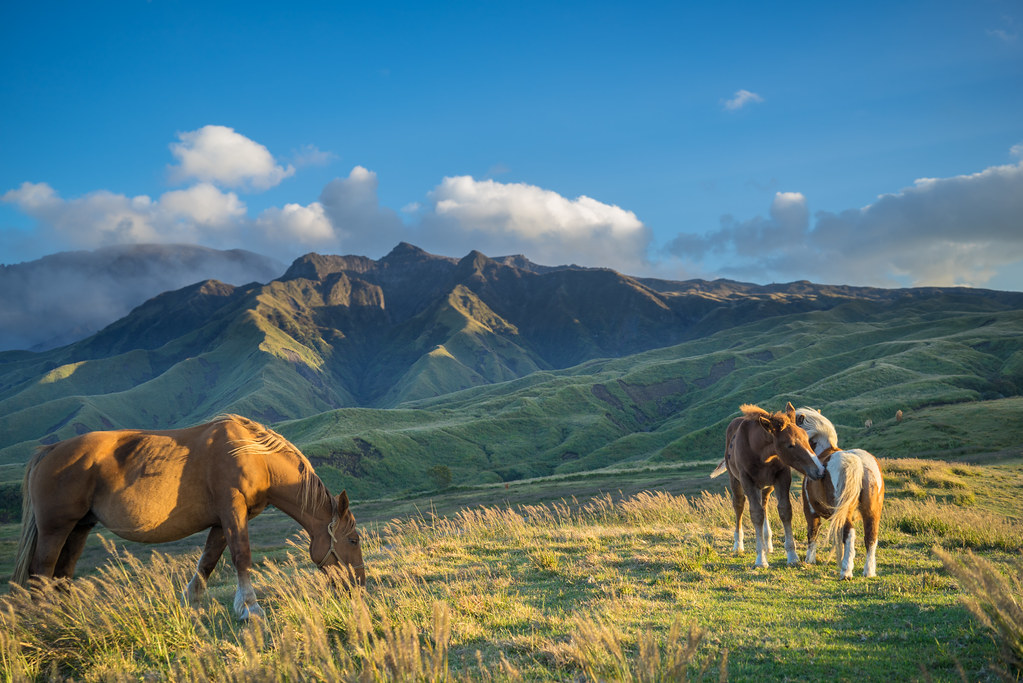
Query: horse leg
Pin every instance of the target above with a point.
(756, 513)
(739, 505)
(49, 546)
(73, 547)
(871, 526)
(768, 536)
(215, 544)
(845, 548)
(813, 527)
(236, 530)
(784, 484)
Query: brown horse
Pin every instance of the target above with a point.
(159, 486)
(760, 447)
(853, 488)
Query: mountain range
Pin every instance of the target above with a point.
(64, 297)
(502, 366)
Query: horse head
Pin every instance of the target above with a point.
(339, 546)
(818, 429)
(791, 443)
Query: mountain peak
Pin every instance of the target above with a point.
(405, 251)
(313, 266)
(475, 264)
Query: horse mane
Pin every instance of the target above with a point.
(750, 410)
(816, 425)
(779, 419)
(265, 442)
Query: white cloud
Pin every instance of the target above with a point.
(1017, 151)
(219, 155)
(204, 204)
(353, 207)
(305, 225)
(502, 218)
(198, 214)
(940, 231)
(741, 99)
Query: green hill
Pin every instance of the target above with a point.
(953, 371)
(499, 369)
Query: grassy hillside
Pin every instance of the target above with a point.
(640, 587)
(337, 332)
(955, 372)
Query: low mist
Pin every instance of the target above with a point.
(65, 297)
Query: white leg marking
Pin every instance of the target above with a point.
(245, 605)
(811, 552)
(846, 566)
(790, 546)
(737, 545)
(761, 551)
(870, 565)
(768, 538)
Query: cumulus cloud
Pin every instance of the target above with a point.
(741, 98)
(502, 218)
(305, 225)
(361, 224)
(219, 155)
(102, 218)
(940, 231)
(204, 204)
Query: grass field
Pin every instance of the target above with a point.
(633, 579)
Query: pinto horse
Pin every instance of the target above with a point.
(159, 486)
(760, 449)
(853, 488)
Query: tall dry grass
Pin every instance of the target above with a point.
(594, 591)
(427, 591)
(992, 598)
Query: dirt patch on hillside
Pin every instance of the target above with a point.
(601, 392)
(719, 370)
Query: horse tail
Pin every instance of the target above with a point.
(846, 472)
(29, 530)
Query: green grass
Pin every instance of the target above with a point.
(607, 586)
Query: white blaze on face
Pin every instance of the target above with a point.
(817, 462)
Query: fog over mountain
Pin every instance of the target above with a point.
(64, 297)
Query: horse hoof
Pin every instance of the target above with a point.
(251, 612)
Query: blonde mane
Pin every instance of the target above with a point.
(750, 410)
(817, 426)
(266, 442)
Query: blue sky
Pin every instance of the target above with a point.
(876, 144)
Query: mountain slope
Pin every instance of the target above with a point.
(347, 331)
(952, 364)
(64, 297)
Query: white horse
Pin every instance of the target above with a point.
(853, 488)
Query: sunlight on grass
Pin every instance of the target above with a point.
(640, 589)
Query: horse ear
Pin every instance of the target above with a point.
(765, 422)
(790, 410)
(800, 419)
(342, 501)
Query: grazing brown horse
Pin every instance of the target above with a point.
(760, 447)
(159, 486)
(853, 488)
